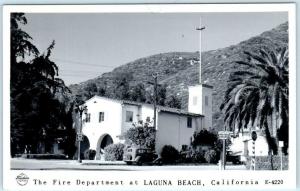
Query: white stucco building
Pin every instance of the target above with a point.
(108, 119)
(242, 144)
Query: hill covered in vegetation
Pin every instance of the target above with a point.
(176, 71)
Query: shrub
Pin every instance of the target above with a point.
(169, 154)
(142, 135)
(204, 137)
(268, 162)
(211, 156)
(209, 139)
(89, 154)
(114, 152)
(198, 156)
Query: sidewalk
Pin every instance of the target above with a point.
(102, 162)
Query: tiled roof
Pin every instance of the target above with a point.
(178, 111)
(159, 107)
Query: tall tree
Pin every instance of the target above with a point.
(35, 108)
(122, 89)
(162, 94)
(173, 102)
(90, 90)
(138, 93)
(258, 95)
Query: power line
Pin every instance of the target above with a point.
(82, 63)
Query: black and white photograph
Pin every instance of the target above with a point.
(166, 89)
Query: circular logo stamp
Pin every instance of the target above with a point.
(22, 179)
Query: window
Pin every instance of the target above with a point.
(88, 118)
(101, 117)
(184, 147)
(148, 119)
(206, 100)
(129, 116)
(195, 100)
(189, 122)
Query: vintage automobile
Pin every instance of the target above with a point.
(139, 156)
(235, 159)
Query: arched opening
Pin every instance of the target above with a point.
(107, 140)
(103, 141)
(84, 145)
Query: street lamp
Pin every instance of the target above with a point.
(81, 109)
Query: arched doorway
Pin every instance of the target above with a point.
(84, 145)
(103, 142)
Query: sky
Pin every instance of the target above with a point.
(89, 44)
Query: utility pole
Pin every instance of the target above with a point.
(200, 29)
(155, 97)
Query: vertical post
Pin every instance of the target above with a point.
(224, 154)
(200, 28)
(253, 155)
(254, 137)
(80, 110)
(281, 160)
(78, 136)
(281, 144)
(200, 51)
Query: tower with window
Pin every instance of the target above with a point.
(200, 102)
(200, 96)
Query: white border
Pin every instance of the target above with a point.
(288, 176)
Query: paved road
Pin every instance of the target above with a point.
(33, 164)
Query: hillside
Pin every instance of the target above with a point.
(175, 70)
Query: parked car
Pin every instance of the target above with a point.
(235, 159)
(139, 156)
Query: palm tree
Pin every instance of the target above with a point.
(258, 95)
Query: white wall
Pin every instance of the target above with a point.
(147, 111)
(111, 124)
(171, 127)
(127, 125)
(238, 144)
(195, 91)
(173, 130)
(207, 109)
(201, 91)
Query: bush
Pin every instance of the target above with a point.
(198, 156)
(142, 135)
(169, 154)
(89, 154)
(114, 152)
(194, 156)
(268, 162)
(211, 156)
(204, 137)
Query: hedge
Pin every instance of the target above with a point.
(211, 156)
(169, 154)
(114, 152)
(268, 162)
(89, 154)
